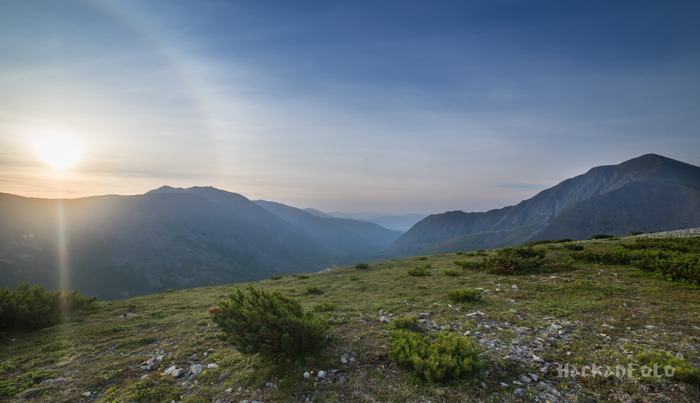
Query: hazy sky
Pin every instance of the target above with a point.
(397, 107)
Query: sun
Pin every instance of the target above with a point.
(57, 151)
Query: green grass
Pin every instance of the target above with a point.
(106, 351)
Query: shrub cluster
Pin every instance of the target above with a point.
(573, 246)
(405, 322)
(451, 273)
(548, 241)
(673, 258)
(362, 266)
(508, 261)
(276, 277)
(465, 295)
(684, 371)
(449, 357)
(325, 306)
(313, 290)
(420, 271)
(601, 236)
(268, 323)
(34, 308)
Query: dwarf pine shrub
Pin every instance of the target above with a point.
(362, 266)
(465, 295)
(573, 246)
(420, 271)
(313, 290)
(325, 306)
(451, 273)
(268, 323)
(682, 370)
(405, 322)
(449, 357)
(276, 277)
(34, 308)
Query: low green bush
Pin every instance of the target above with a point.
(508, 261)
(420, 271)
(601, 236)
(325, 306)
(268, 323)
(422, 258)
(469, 265)
(636, 232)
(573, 246)
(683, 371)
(405, 322)
(33, 308)
(313, 289)
(362, 266)
(465, 295)
(448, 358)
(451, 273)
(354, 278)
(301, 276)
(276, 277)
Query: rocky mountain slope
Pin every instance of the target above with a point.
(648, 193)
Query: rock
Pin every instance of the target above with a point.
(321, 374)
(57, 380)
(344, 358)
(651, 327)
(127, 315)
(534, 377)
(555, 326)
(519, 391)
(515, 287)
(169, 370)
(307, 375)
(385, 319)
(605, 325)
(535, 358)
(505, 385)
(192, 357)
(483, 385)
(212, 366)
(269, 384)
(424, 315)
(518, 383)
(144, 377)
(196, 369)
(224, 375)
(229, 390)
(177, 373)
(86, 394)
(525, 379)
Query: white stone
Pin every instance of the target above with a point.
(212, 366)
(307, 375)
(321, 374)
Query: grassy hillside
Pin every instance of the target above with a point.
(526, 324)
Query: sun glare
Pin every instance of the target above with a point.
(58, 152)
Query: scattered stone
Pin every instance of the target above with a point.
(423, 315)
(307, 375)
(212, 366)
(127, 315)
(519, 391)
(505, 385)
(144, 377)
(344, 358)
(385, 319)
(229, 391)
(534, 377)
(192, 357)
(651, 327)
(483, 385)
(177, 373)
(555, 326)
(518, 383)
(321, 374)
(169, 370)
(608, 326)
(57, 380)
(525, 379)
(269, 384)
(535, 358)
(86, 394)
(224, 375)
(196, 369)
(515, 287)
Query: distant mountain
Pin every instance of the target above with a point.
(344, 238)
(398, 222)
(121, 246)
(647, 193)
(317, 213)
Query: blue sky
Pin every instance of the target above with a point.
(396, 107)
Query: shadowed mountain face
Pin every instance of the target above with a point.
(643, 194)
(121, 246)
(344, 238)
